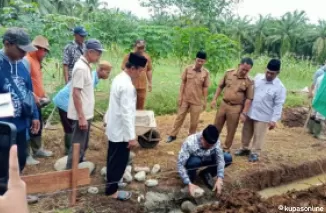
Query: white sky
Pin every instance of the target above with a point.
(315, 9)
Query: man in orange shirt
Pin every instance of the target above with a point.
(145, 78)
(35, 58)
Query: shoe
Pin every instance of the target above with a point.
(310, 126)
(317, 128)
(207, 179)
(42, 153)
(253, 158)
(242, 152)
(32, 199)
(31, 161)
(170, 139)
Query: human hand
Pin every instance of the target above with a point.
(35, 126)
(83, 125)
(213, 104)
(179, 102)
(192, 188)
(14, 200)
(218, 186)
(204, 105)
(271, 125)
(132, 143)
(150, 88)
(310, 95)
(243, 118)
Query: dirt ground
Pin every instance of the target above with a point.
(289, 154)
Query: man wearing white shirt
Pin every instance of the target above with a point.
(120, 128)
(265, 110)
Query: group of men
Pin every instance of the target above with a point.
(258, 104)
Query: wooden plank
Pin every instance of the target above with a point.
(54, 181)
(74, 175)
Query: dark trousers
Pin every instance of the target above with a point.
(4, 159)
(65, 121)
(195, 163)
(81, 137)
(116, 163)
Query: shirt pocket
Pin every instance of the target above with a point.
(269, 95)
(199, 81)
(191, 75)
(242, 87)
(228, 82)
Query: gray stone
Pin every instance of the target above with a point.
(93, 190)
(151, 183)
(129, 168)
(131, 157)
(103, 171)
(140, 176)
(89, 165)
(188, 207)
(199, 192)
(156, 169)
(155, 201)
(122, 185)
(140, 169)
(60, 165)
(175, 211)
(127, 176)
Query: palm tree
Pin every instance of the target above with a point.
(319, 45)
(260, 33)
(287, 30)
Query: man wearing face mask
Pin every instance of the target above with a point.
(35, 59)
(145, 78)
(73, 51)
(238, 94)
(265, 110)
(81, 99)
(15, 80)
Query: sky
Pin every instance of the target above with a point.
(276, 8)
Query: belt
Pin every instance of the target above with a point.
(229, 103)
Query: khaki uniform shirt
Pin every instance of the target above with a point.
(82, 79)
(194, 83)
(141, 81)
(236, 89)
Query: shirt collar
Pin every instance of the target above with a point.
(237, 74)
(193, 68)
(85, 61)
(126, 75)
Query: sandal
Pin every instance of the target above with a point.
(124, 195)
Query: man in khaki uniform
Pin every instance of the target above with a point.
(145, 77)
(193, 95)
(238, 94)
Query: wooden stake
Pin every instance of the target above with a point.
(74, 173)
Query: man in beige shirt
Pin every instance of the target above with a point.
(81, 100)
(193, 95)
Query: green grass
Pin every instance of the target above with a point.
(295, 75)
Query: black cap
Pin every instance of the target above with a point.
(274, 65)
(79, 30)
(19, 37)
(211, 134)
(94, 44)
(201, 54)
(137, 60)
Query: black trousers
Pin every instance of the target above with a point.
(116, 163)
(4, 159)
(65, 121)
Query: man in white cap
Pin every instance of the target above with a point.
(35, 59)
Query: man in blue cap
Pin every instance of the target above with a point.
(81, 100)
(73, 51)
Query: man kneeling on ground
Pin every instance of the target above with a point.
(203, 149)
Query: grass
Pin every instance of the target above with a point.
(295, 75)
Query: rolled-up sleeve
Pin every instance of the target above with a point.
(182, 160)
(127, 107)
(220, 162)
(278, 105)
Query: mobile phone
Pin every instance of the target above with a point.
(8, 134)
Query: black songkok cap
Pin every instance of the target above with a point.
(211, 134)
(201, 54)
(137, 60)
(274, 65)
